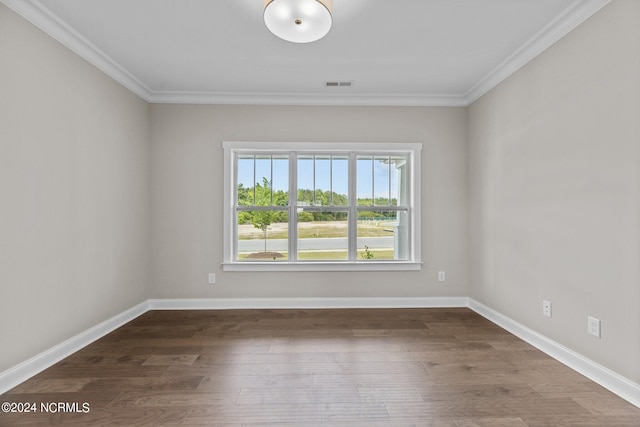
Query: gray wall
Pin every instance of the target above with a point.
(187, 187)
(73, 193)
(555, 190)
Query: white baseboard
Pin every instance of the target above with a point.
(304, 303)
(614, 382)
(610, 380)
(27, 369)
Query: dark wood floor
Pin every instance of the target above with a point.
(400, 367)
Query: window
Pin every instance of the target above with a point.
(321, 206)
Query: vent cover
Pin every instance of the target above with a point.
(339, 84)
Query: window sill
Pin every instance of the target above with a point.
(324, 266)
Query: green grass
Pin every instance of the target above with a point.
(379, 254)
(321, 232)
(323, 255)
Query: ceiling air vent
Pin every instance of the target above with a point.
(339, 84)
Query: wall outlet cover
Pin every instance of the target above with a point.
(546, 308)
(593, 326)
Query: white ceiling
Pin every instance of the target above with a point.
(400, 52)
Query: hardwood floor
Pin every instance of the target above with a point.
(366, 367)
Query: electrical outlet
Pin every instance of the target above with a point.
(441, 276)
(546, 308)
(593, 326)
(212, 278)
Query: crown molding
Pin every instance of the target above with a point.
(36, 13)
(379, 100)
(41, 17)
(574, 15)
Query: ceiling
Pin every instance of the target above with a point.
(400, 52)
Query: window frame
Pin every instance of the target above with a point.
(352, 150)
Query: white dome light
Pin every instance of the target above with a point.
(298, 21)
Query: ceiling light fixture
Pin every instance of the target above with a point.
(298, 21)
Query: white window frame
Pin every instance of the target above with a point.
(413, 152)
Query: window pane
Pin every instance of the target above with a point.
(340, 180)
(398, 181)
(263, 235)
(381, 180)
(263, 180)
(244, 184)
(280, 181)
(305, 180)
(323, 180)
(364, 180)
(382, 235)
(322, 236)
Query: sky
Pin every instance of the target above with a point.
(329, 174)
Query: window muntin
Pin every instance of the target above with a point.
(262, 180)
(328, 206)
(322, 180)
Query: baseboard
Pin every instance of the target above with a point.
(304, 303)
(610, 380)
(27, 369)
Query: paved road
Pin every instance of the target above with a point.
(324, 244)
